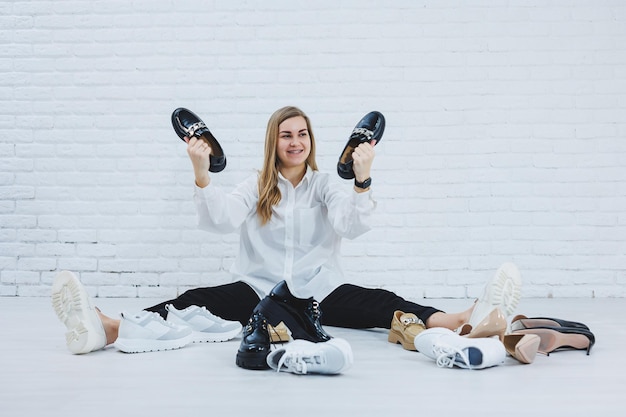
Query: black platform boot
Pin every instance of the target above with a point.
(301, 315)
(255, 344)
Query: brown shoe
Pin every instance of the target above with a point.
(404, 328)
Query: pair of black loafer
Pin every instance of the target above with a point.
(370, 127)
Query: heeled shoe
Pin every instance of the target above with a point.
(186, 123)
(492, 325)
(370, 127)
(520, 322)
(523, 347)
(557, 338)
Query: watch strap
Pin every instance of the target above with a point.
(364, 184)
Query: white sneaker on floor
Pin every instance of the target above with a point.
(304, 357)
(148, 332)
(206, 326)
(503, 291)
(73, 307)
(448, 349)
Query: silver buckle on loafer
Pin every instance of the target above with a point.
(191, 130)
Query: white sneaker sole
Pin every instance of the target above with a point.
(150, 345)
(503, 291)
(206, 337)
(73, 307)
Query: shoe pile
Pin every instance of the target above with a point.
(484, 341)
(481, 343)
(312, 349)
(139, 332)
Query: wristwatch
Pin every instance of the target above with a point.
(365, 184)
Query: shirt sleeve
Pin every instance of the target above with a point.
(222, 212)
(350, 214)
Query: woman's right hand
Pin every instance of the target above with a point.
(199, 152)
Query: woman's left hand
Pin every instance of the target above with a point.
(363, 156)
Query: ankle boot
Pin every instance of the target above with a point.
(255, 344)
(301, 315)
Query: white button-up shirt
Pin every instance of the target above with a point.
(300, 244)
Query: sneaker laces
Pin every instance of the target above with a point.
(448, 355)
(298, 362)
(154, 316)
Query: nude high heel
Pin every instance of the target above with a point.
(555, 338)
(522, 347)
(520, 322)
(492, 325)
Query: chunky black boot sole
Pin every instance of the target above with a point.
(275, 313)
(252, 360)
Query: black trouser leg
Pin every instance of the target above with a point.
(356, 307)
(234, 301)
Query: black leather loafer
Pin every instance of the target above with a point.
(301, 315)
(186, 123)
(370, 127)
(255, 344)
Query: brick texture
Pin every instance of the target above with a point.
(505, 138)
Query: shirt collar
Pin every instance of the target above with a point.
(307, 176)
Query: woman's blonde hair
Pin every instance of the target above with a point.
(269, 194)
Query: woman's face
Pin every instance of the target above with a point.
(294, 143)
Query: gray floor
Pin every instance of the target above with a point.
(41, 378)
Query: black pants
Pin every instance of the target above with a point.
(348, 305)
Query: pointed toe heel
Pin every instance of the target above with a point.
(520, 322)
(559, 338)
(493, 325)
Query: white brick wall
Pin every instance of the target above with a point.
(505, 137)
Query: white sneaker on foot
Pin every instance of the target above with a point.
(72, 304)
(503, 290)
(448, 349)
(148, 332)
(206, 326)
(302, 357)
